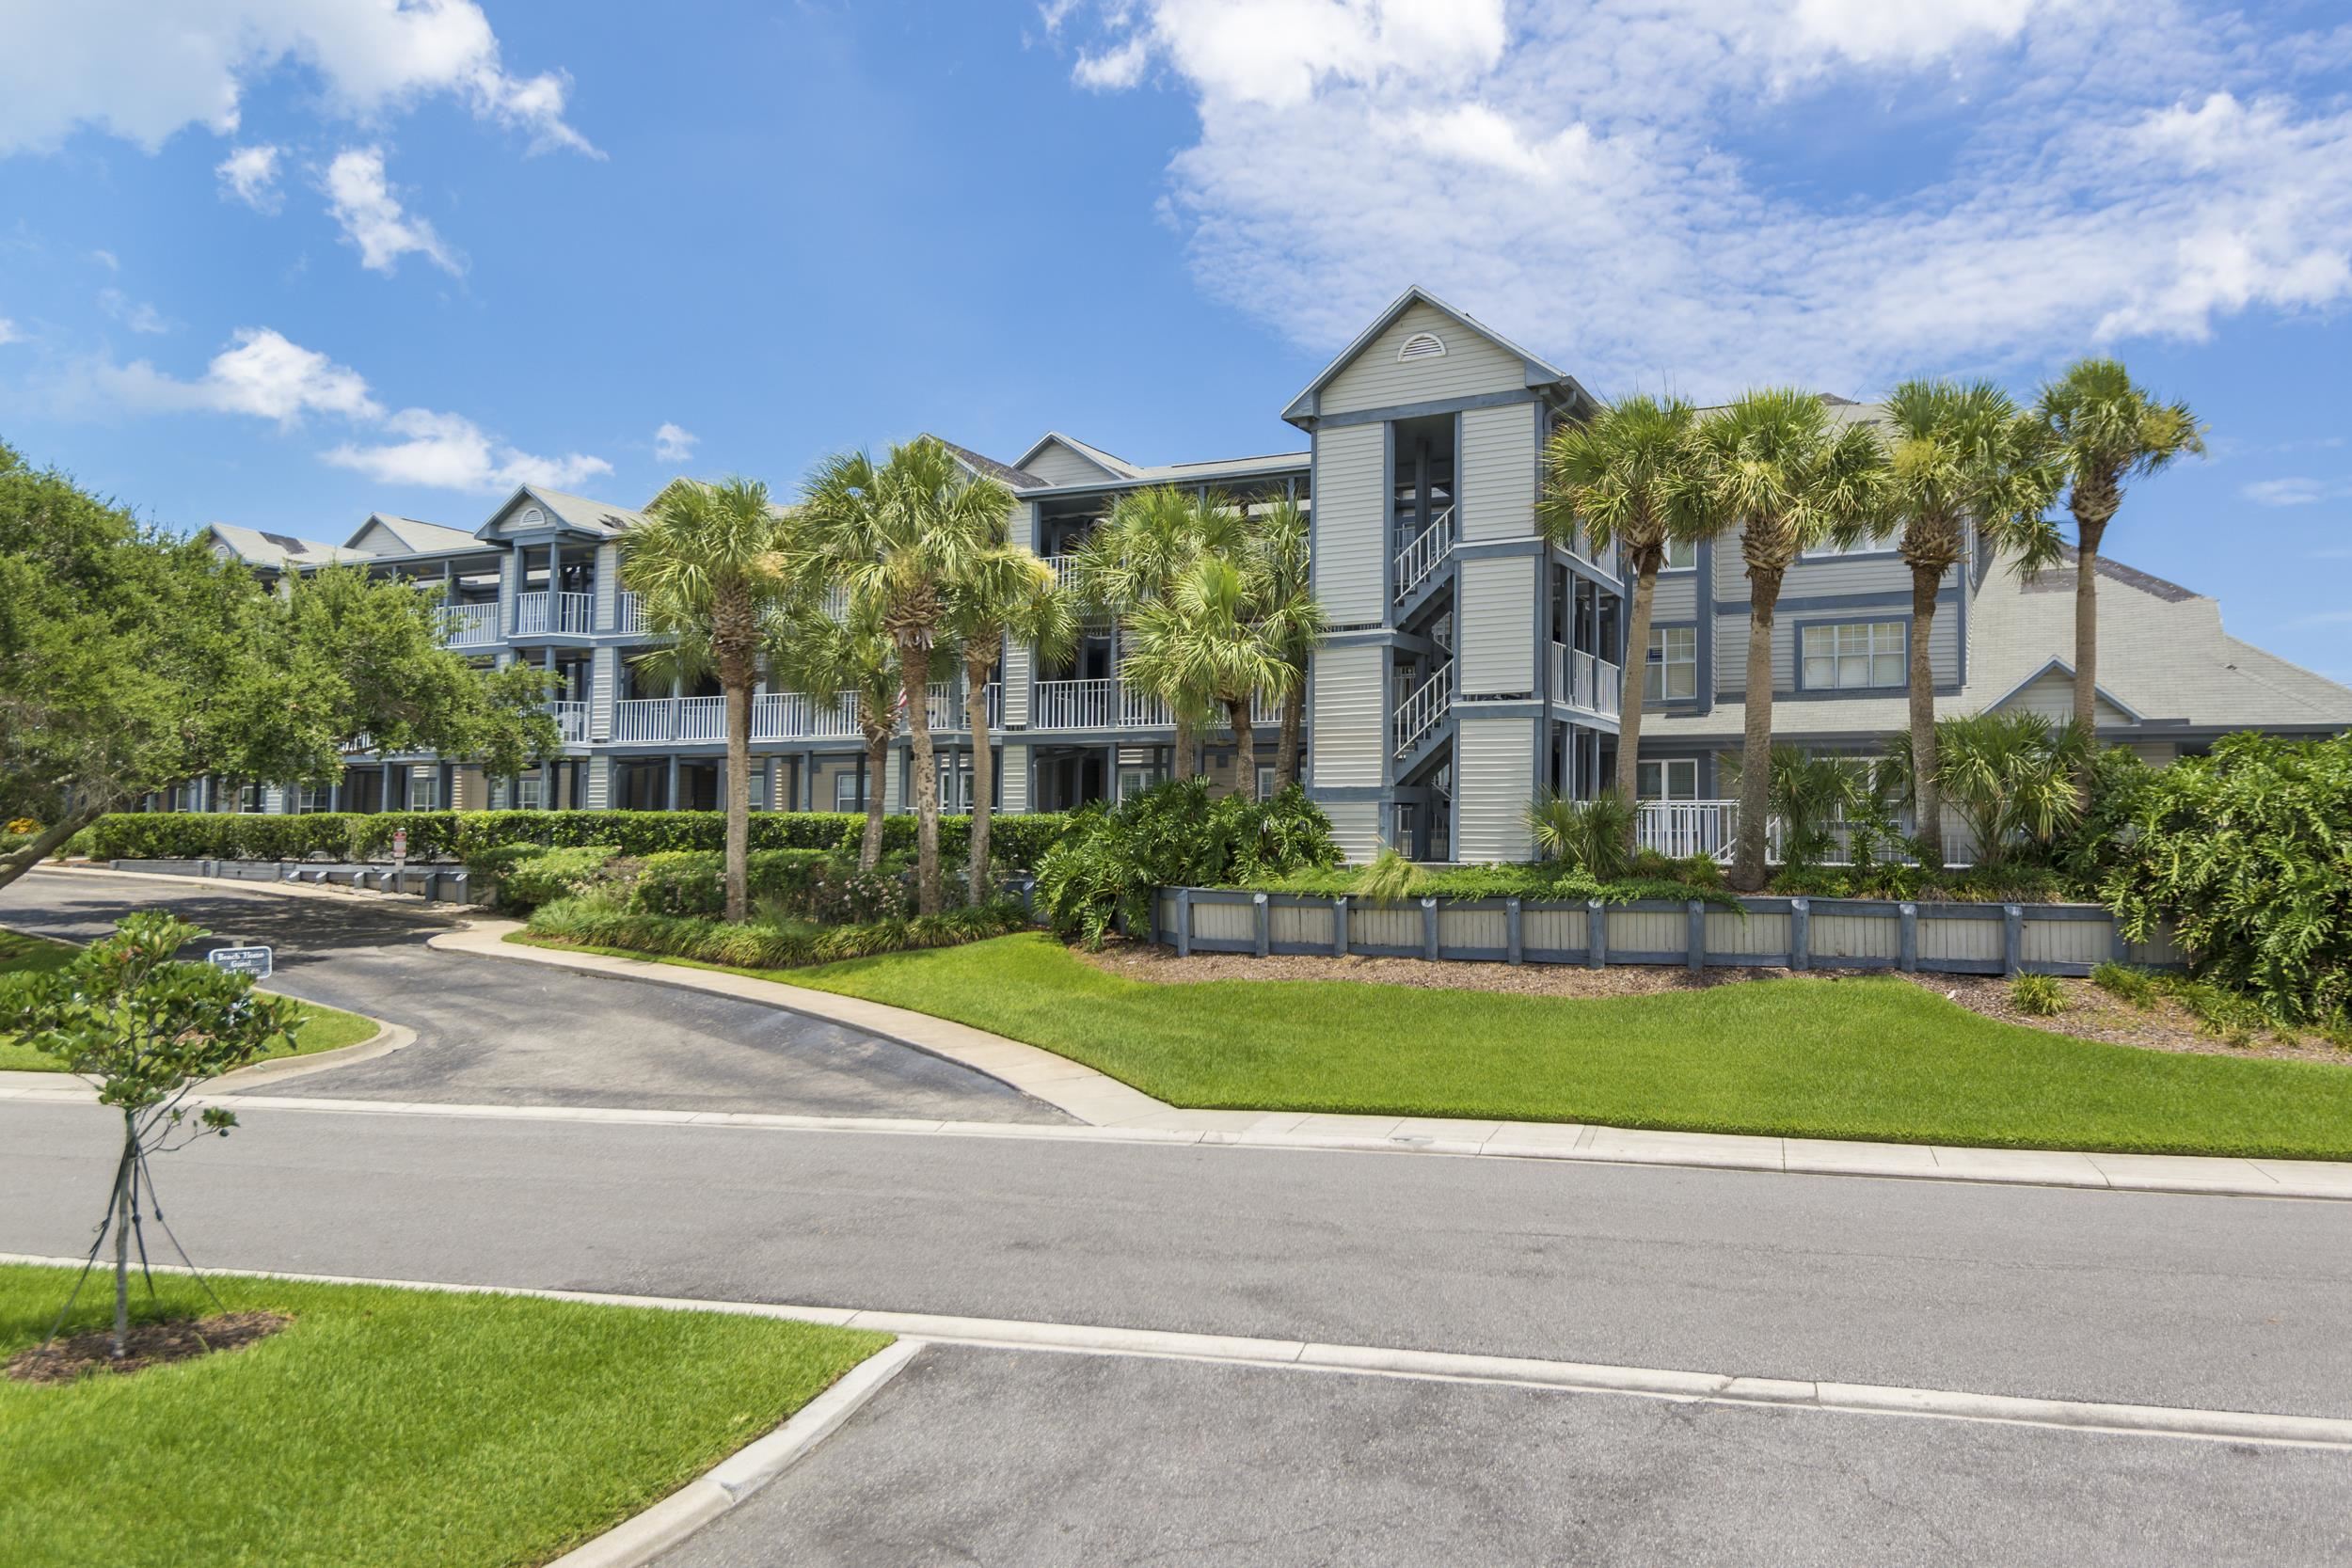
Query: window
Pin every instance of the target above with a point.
(1848, 657)
(1828, 551)
(1681, 556)
(846, 795)
(1265, 781)
(1672, 669)
(1672, 779)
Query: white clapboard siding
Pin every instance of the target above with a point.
(1350, 718)
(1471, 364)
(1498, 472)
(1350, 526)
(1495, 779)
(1355, 828)
(1013, 778)
(1494, 630)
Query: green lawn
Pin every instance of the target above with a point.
(1878, 1059)
(323, 1028)
(385, 1427)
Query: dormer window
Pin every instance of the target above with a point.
(1422, 345)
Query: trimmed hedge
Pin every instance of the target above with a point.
(592, 923)
(1016, 842)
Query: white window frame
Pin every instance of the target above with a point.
(1831, 549)
(1685, 547)
(1871, 648)
(1656, 663)
(847, 783)
(1667, 779)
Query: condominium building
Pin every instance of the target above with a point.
(1470, 663)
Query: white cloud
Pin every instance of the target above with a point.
(674, 443)
(9, 334)
(265, 375)
(1700, 193)
(144, 69)
(107, 259)
(363, 202)
(138, 316)
(250, 174)
(449, 452)
(2289, 492)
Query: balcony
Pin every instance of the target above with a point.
(1073, 704)
(571, 722)
(470, 626)
(1711, 828)
(1585, 681)
(627, 616)
(554, 614)
(1065, 572)
(793, 716)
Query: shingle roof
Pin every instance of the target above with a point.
(1019, 479)
(259, 548)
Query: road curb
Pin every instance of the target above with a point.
(387, 1039)
(640, 1538)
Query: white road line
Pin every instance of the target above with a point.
(1677, 1386)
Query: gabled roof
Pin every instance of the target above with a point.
(2063, 668)
(414, 537)
(1540, 371)
(275, 551)
(594, 518)
(1118, 468)
(987, 467)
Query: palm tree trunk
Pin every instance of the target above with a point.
(1632, 680)
(1926, 796)
(1294, 720)
(976, 672)
(1244, 749)
(2088, 533)
(1755, 759)
(1181, 767)
(739, 803)
(876, 758)
(914, 664)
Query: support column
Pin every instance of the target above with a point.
(669, 798)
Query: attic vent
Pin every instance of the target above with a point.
(1422, 345)
(533, 516)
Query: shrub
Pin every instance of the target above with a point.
(2246, 854)
(596, 922)
(2134, 986)
(221, 835)
(2039, 994)
(431, 834)
(534, 877)
(1109, 863)
(693, 881)
(2009, 776)
(1594, 835)
(1390, 877)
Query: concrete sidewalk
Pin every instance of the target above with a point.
(1113, 1109)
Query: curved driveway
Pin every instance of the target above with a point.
(516, 1034)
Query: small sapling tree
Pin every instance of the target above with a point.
(146, 1029)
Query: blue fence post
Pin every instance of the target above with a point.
(2012, 938)
(1339, 927)
(1514, 950)
(1596, 934)
(1696, 919)
(1184, 923)
(1801, 933)
(1261, 922)
(1155, 917)
(1909, 916)
(1429, 929)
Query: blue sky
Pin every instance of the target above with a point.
(289, 261)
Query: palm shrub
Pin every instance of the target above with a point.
(2039, 995)
(1206, 645)
(2246, 855)
(1390, 879)
(1595, 836)
(1281, 585)
(2010, 778)
(1811, 796)
(999, 593)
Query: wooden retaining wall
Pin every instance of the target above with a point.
(1792, 933)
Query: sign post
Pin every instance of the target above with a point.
(400, 848)
(241, 960)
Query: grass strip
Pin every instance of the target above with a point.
(384, 1426)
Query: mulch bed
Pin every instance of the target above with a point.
(148, 1344)
(2089, 1013)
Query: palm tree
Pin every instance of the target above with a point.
(896, 534)
(1277, 563)
(1003, 592)
(1790, 476)
(2106, 430)
(2009, 775)
(1207, 644)
(1133, 557)
(825, 660)
(1630, 478)
(711, 566)
(1959, 455)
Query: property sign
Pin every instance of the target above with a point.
(399, 846)
(241, 960)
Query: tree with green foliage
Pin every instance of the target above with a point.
(1790, 475)
(133, 662)
(2105, 430)
(1281, 584)
(1629, 477)
(826, 658)
(2009, 775)
(1133, 559)
(896, 534)
(1960, 456)
(999, 593)
(145, 1029)
(1208, 644)
(713, 566)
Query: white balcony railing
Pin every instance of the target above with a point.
(627, 616)
(571, 722)
(1065, 571)
(1141, 710)
(702, 718)
(794, 716)
(1425, 555)
(1424, 709)
(1684, 828)
(638, 720)
(564, 614)
(1071, 706)
(1584, 680)
(1265, 708)
(470, 626)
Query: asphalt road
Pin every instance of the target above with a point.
(489, 1033)
(2146, 1298)
(1043, 1460)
